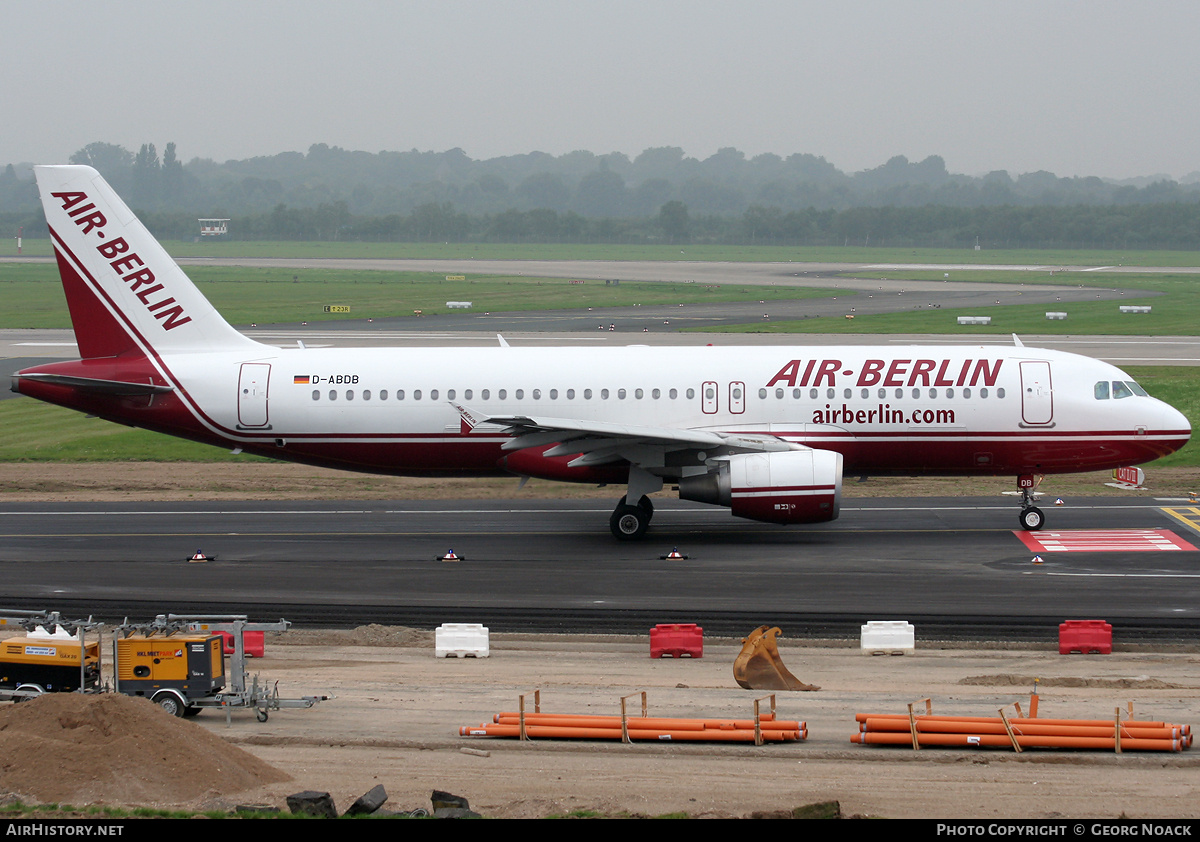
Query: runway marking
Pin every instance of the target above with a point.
(1189, 516)
(1102, 541)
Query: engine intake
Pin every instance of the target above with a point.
(795, 486)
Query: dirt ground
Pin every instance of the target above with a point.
(396, 710)
(396, 713)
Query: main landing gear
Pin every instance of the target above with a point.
(1031, 518)
(628, 523)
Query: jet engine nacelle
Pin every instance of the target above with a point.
(794, 486)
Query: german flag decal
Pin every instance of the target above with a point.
(300, 380)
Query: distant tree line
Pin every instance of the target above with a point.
(659, 196)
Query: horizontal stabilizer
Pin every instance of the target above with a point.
(119, 388)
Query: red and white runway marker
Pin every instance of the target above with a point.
(1102, 541)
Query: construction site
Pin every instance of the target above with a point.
(394, 715)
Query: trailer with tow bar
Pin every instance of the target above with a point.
(175, 661)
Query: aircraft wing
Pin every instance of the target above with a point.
(599, 441)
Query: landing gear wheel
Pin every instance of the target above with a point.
(628, 523)
(645, 503)
(1032, 519)
(261, 715)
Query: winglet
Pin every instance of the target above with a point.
(1017, 341)
(468, 420)
(503, 343)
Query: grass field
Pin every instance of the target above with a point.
(38, 432)
(31, 295)
(1174, 302)
(583, 251)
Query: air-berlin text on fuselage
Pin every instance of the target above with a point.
(900, 372)
(123, 261)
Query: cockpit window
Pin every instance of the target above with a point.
(1137, 390)
(1121, 390)
(1102, 390)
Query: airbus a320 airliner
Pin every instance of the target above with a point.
(766, 431)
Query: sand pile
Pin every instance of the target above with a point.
(80, 749)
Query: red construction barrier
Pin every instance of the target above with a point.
(1085, 636)
(677, 640)
(253, 641)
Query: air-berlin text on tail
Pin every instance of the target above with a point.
(127, 264)
(899, 372)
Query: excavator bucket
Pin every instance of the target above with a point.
(758, 666)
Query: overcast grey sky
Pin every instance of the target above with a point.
(1077, 88)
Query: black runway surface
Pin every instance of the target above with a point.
(952, 566)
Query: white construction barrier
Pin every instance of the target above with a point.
(1056, 316)
(974, 320)
(888, 637)
(460, 640)
(1134, 308)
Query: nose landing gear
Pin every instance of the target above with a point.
(1031, 519)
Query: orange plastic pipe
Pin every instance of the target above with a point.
(554, 732)
(585, 721)
(861, 717)
(997, 727)
(996, 741)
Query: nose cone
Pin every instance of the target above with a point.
(1176, 429)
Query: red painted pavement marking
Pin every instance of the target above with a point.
(1102, 540)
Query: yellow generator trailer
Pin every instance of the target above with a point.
(173, 671)
(30, 666)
